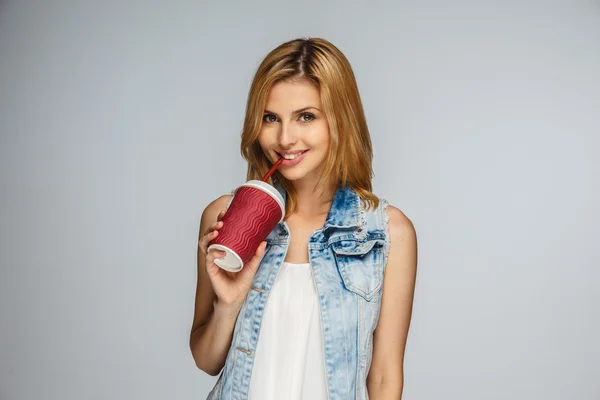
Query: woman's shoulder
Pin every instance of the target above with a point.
(397, 221)
(399, 224)
(214, 207)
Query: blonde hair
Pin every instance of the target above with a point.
(350, 151)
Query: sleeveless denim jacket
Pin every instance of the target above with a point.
(348, 257)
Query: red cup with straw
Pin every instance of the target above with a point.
(255, 209)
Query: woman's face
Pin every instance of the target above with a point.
(294, 126)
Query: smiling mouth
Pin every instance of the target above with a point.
(292, 156)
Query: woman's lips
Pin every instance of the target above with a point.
(295, 161)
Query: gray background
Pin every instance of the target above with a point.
(119, 122)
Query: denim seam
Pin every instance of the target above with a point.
(384, 220)
(345, 343)
(361, 355)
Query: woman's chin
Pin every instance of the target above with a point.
(292, 174)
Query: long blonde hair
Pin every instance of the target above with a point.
(349, 161)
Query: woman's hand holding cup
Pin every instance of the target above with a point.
(230, 288)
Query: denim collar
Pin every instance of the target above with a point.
(346, 208)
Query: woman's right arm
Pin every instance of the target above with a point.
(219, 295)
(212, 328)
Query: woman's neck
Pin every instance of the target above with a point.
(313, 201)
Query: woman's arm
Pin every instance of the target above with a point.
(220, 294)
(212, 328)
(386, 376)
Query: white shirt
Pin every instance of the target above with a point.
(289, 362)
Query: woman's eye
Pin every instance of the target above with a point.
(306, 117)
(269, 118)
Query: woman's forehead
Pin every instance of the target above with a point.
(289, 96)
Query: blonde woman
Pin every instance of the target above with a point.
(322, 311)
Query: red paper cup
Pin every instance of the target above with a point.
(256, 208)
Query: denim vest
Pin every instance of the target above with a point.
(348, 257)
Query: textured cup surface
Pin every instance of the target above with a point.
(254, 211)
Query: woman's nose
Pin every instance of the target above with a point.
(287, 136)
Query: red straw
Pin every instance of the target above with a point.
(273, 168)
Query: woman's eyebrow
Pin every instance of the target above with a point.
(295, 112)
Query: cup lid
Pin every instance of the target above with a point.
(269, 189)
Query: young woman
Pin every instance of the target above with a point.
(322, 310)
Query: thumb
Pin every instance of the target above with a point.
(247, 273)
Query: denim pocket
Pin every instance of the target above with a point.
(360, 265)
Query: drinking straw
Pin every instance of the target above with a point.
(273, 168)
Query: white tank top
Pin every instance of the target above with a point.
(289, 360)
